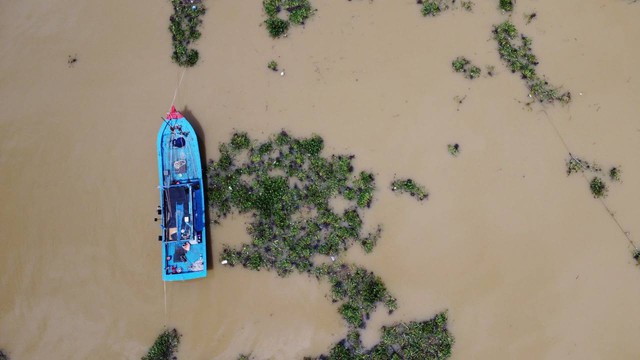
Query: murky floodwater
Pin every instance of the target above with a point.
(527, 263)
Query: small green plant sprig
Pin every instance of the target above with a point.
(463, 65)
(515, 51)
(164, 347)
(415, 340)
(454, 149)
(184, 24)
(244, 357)
(272, 65)
(506, 5)
(299, 11)
(597, 185)
(409, 186)
(615, 174)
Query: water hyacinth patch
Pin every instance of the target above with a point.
(463, 65)
(299, 11)
(164, 347)
(515, 51)
(411, 187)
(184, 24)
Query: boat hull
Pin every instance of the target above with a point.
(182, 206)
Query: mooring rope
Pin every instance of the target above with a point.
(175, 92)
(584, 176)
(164, 283)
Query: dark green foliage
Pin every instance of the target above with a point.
(598, 187)
(506, 5)
(299, 11)
(515, 51)
(411, 187)
(3, 356)
(272, 65)
(286, 185)
(468, 5)
(615, 174)
(244, 357)
(276, 26)
(454, 149)
(463, 65)
(164, 347)
(431, 8)
(426, 340)
(635, 254)
(359, 290)
(183, 26)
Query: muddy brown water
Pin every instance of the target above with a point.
(527, 263)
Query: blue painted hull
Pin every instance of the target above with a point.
(184, 248)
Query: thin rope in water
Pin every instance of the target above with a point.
(584, 176)
(175, 92)
(164, 283)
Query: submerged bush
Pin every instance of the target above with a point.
(515, 51)
(164, 347)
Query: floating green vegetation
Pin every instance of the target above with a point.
(299, 11)
(426, 340)
(435, 7)
(244, 357)
(272, 65)
(615, 174)
(184, 30)
(454, 149)
(3, 356)
(491, 70)
(164, 347)
(287, 185)
(598, 187)
(409, 186)
(515, 51)
(506, 5)
(359, 290)
(463, 65)
(635, 254)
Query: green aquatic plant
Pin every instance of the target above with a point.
(636, 255)
(409, 186)
(431, 8)
(463, 65)
(529, 17)
(615, 174)
(184, 24)
(415, 340)
(286, 185)
(164, 347)
(272, 65)
(506, 5)
(244, 357)
(598, 187)
(299, 11)
(3, 355)
(515, 51)
(468, 5)
(453, 149)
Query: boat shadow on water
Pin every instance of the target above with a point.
(202, 146)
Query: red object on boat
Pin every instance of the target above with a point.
(174, 114)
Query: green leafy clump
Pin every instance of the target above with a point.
(286, 184)
(359, 290)
(244, 357)
(164, 347)
(454, 149)
(575, 165)
(598, 187)
(184, 24)
(463, 65)
(635, 254)
(299, 11)
(432, 8)
(515, 51)
(416, 340)
(506, 5)
(468, 5)
(615, 174)
(272, 65)
(409, 186)
(3, 355)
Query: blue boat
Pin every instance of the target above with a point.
(182, 206)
